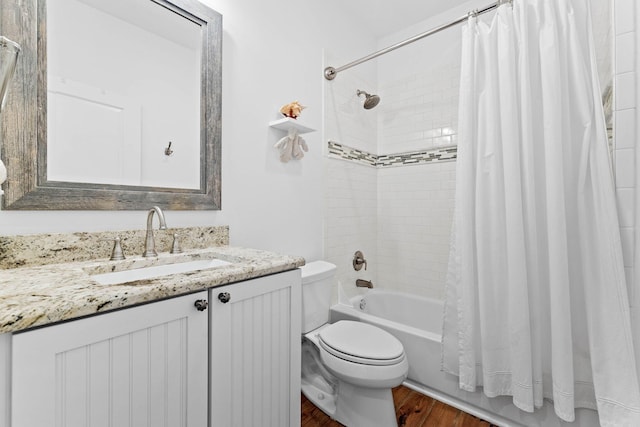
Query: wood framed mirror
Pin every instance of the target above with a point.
(35, 100)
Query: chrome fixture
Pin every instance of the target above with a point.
(361, 283)
(9, 51)
(330, 73)
(370, 100)
(117, 253)
(150, 243)
(359, 261)
(175, 246)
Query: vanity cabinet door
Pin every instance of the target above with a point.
(255, 352)
(140, 366)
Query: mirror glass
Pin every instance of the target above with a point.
(123, 99)
(116, 105)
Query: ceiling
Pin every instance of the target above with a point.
(384, 17)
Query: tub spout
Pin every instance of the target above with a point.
(361, 283)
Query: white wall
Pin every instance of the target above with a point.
(272, 55)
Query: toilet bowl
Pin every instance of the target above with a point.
(348, 368)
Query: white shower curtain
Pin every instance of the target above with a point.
(536, 304)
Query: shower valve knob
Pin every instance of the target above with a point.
(359, 261)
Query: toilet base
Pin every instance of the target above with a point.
(317, 384)
(365, 407)
(324, 401)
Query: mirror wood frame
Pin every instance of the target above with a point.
(23, 123)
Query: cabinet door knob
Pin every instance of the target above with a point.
(201, 304)
(224, 297)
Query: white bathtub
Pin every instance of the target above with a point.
(417, 323)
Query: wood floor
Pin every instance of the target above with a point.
(412, 409)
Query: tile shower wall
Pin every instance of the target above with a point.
(404, 228)
(415, 204)
(626, 87)
(350, 189)
(419, 111)
(351, 221)
(418, 86)
(346, 121)
(625, 131)
(415, 210)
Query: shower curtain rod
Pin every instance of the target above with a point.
(330, 73)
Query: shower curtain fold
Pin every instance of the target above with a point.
(536, 304)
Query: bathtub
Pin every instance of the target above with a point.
(417, 323)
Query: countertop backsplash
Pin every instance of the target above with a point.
(43, 249)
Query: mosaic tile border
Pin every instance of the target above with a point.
(344, 152)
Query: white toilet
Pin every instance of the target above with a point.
(348, 368)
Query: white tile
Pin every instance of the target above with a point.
(625, 168)
(625, 53)
(625, 91)
(625, 128)
(626, 236)
(625, 198)
(624, 16)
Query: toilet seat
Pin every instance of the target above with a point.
(361, 343)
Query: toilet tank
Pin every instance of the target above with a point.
(317, 284)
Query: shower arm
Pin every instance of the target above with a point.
(330, 73)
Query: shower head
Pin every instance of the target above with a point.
(370, 100)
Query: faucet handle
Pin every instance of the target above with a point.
(117, 253)
(175, 246)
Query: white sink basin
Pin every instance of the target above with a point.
(125, 276)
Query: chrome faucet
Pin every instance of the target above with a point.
(150, 243)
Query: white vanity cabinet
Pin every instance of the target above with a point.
(165, 363)
(255, 352)
(141, 366)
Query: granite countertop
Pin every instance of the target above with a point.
(38, 295)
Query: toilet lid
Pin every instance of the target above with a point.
(361, 343)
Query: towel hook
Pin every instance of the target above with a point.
(168, 151)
